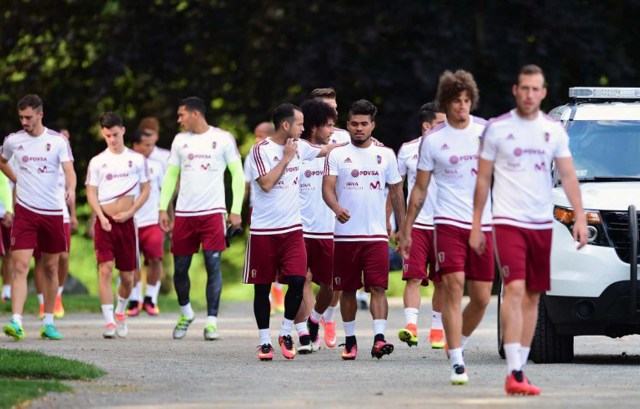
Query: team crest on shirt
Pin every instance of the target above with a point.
(547, 136)
(336, 280)
(214, 144)
(254, 273)
(48, 147)
(405, 267)
(130, 163)
(441, 257)
(379, 159)
(505, 271)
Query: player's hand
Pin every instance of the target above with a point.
(580, 233)
(290, 150)
(91, 228)
(163, 220)
(73, 223)
(70, 197)
(393, 237)
(405, 244)
(343, 215)
(7, 220)
(234, 219)
(477, 241)
(122, 217)
(398, 239)
(104, 223)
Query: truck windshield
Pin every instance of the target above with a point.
(605, 150)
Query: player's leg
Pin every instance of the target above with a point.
(300, 322)
(38, 279)
(105, 291)
(124, 292)
(20, 259)
(213, 291)
(50, 263)
(414, 273)
(375, 267)
(328, 320)
(154, 275)
(184, 243)
(63, 273)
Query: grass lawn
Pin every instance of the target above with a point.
(26, 375)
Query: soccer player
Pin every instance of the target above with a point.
(353, 187)
(199, 156)
(6, 220)
(317, 226)
(70, 222)
(38, 210)
(517, 150)
(117, 187)
(422, 252)
(150, 236)
(150, 127)
(450, 153)
(276, 247)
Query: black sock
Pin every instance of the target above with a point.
(148, 300)
(305, 340)
(350, 342)
(313, 329)
(133, 304)
(378, 337)
(518, 375)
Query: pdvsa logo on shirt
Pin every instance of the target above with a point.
(310, 173)
(27, 159)
(355, 173)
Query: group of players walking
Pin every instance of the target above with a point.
(320, 213)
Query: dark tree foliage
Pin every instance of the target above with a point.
(244, 57)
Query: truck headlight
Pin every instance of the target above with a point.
(595, 228)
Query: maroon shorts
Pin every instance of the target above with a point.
(190, 232)
(421, 255)
(524, 254)
(67, 234)
(30, 228)
(354, 261)
(151, 241)
(454, 254)
(119, 244)
(274, 256)
(5, 242)
(320, 259)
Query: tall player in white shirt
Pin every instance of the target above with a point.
(450, 153)
(518, 149)
(317, 225)
(199, 157)
(276, 247)
(354, 188)
(422, 251)
(38, 209)
(117, 187)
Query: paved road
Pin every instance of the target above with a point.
(149, 369)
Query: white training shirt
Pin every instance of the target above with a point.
(248, 178)
(277, 211)
(147, 215)
(522, 151)
(160, 155)
(452, 156)
(202, 159)
(117, 174)
(363, 174)
(408, 156)
(62, 182)
(3, 211)
(38, 159)
(340, 136)
(317, 219)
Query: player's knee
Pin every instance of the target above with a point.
(296, 283)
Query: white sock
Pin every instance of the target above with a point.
(151, 291)
(349, 328)
(47, 319)
(136, 292)
(155, 295)
(315, 316)
(436, 320)
(107, 313)
(60, 290)
(121, 305)
(6, 291)
(265, 336)
(211, 319)
(411, 316)
(301, 328)
(285, 329)
(187, 310)
(17, 318)
(41, 298)
(524, 355)
(329, 313)
(455, 357)
(512, 352)
(463, 341)
(361, 295)
(379, 326)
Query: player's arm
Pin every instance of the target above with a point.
(145, 190)
(397, 202)
(416, 201)
(331, 199)
(166, 194)
(269, 180)
(238, 190)
(70, 182)
(6, 169)
(571, 188)
(92, 199)
(324, 151)
(483, 184)
(6, 194)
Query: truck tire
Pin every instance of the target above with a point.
(549, 347)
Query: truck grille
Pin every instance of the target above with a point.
(617, 227)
